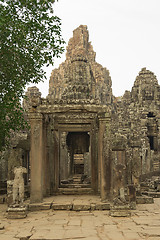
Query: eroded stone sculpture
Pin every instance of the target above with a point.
(119, 184)
(18, 185)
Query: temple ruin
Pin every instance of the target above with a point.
(84, 140)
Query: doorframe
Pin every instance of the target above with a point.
(80, 127)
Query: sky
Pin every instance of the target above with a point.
(125, 34)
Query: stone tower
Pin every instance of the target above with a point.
(82, 138)
(80, 79)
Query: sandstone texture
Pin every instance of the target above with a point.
(50, 224)
(84, 140)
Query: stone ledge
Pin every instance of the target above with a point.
(81, 207)
(103, 206)
(57, 206)
(144, 200)
(154, 194)
(39, 206)
(17, 212)
(120, 211)
(69, 206)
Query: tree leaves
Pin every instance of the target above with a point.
(30, 37)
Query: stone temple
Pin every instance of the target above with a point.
(84, 140)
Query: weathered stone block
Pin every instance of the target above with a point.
(39, 207)
(154, 194)
(93, 206)
(144, 200)
(81, 207)
(16, 212)
(120, 211)
(59, 206)
(10, 192)
(103, 206)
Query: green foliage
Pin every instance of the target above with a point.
(30, 37)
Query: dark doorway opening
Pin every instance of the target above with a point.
(151, 142)
(78, 144)
(78, 163)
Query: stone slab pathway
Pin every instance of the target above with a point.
(144, 223)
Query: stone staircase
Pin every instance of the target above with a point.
(77, 179)
(156, 165)
(75, 191)
(78, 160)
(77, 186)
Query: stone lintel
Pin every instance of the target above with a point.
(72, 108)
(35, 116)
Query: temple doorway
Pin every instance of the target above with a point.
(75, 159)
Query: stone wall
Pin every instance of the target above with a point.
(136, 117)
(124, 131)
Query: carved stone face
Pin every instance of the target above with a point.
(35, 100)
(148, 93)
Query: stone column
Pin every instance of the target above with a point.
(132, 196)
(104, 157)
(93, 159)
(37, 155)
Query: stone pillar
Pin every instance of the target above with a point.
(37, 155)
(104, 157)
(132, 196)
(63, 156)
(93, 159)
(46, 163)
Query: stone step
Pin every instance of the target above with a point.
(17, 212)
(156, 166)
(144, 200)
(72, 191)
(69, 206)
(74, 185)
(77, 179)
(154, 194)
(78, 155)
(77, 176)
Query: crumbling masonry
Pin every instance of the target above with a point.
(82, 138)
